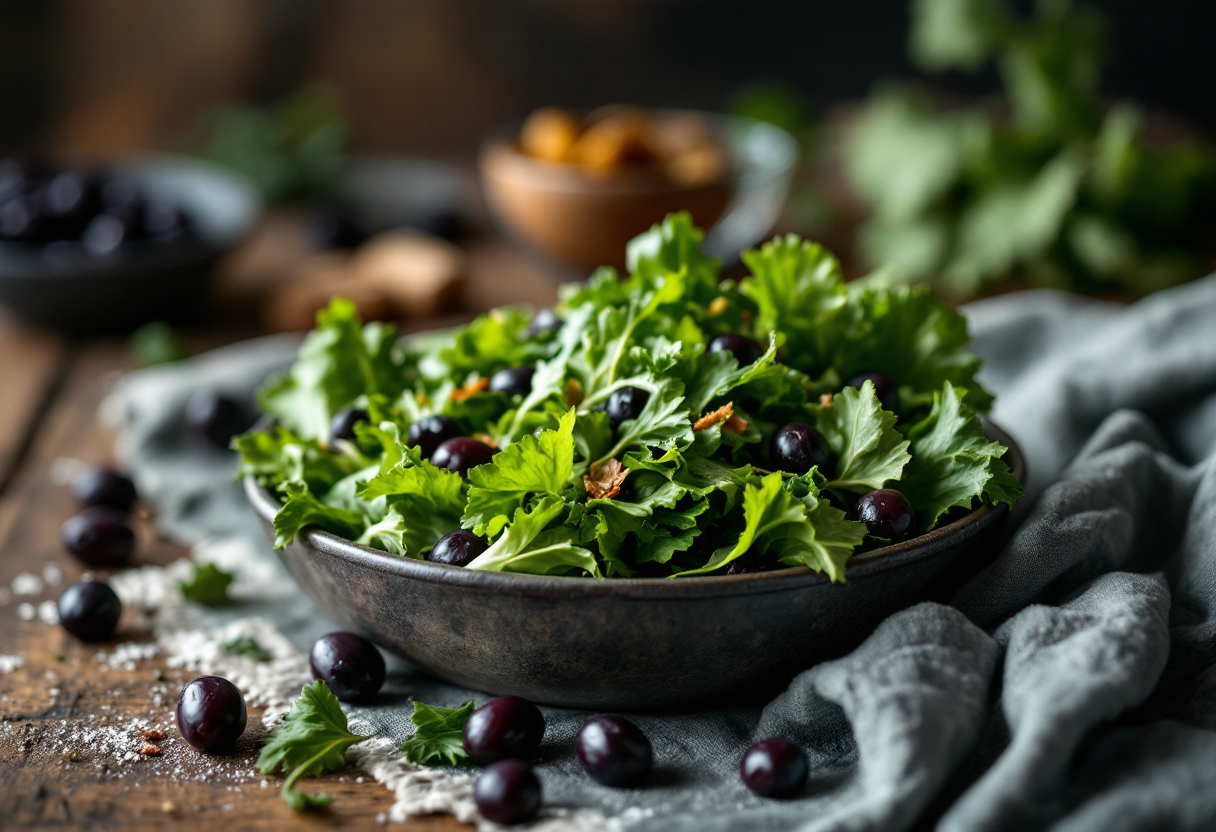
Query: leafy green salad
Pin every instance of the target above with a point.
(664, 423)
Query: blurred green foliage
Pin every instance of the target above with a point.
(1046, 183)
(292, 150)
(156, 343)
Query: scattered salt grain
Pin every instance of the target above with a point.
(48, 613)
(52, 574)
(125, 655)
(27, 583)
(26, 612)
(10, 663)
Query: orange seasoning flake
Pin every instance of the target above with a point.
(150, 751)
(724, 414)
(470, 389)
(152, 734)
(605, 480)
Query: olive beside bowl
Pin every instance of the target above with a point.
(583, 221)
(626, 644)
(145, 281)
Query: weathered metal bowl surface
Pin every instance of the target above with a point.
(631, 644)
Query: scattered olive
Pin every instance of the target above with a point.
(774, 768)
(89, 610)
(211, 714)
(506, 728)
(99, 536)
(342, 426)
(508, 792)
(461, 454)
(797, 448)
(429, 432)
(884, 388)
(886, 514)
(513, 381)
(350, 664)
(745, 350)
(614, 752)
(101, 486)
(625, 404)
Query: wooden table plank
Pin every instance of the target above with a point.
(48, 780)
(30, 364)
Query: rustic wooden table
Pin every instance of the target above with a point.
(50, 773)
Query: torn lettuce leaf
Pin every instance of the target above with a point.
(867, 449)
(953, 463)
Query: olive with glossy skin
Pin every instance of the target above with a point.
(545, 320)
(211, 714)
(614, 752)
(625, 404)
(217, 417)
(101, 486)
(798, 447)
(429, 432)
(350, 664)
(506, 728)
(106, 233)
(342, 426)
(887, 514)
(458, 548)
(745, 350)
(884, 388)
(99, 536)
(21, 220)
(513, 381)
(508, 792)
(774, 768)
(461, 454)
(89, 610)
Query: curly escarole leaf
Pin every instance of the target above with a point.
(301, 508)
(867, 449)
(339, 361)
(438, 735)
(953, 463)
(797, 286)
(526, 546)
(541, 464)
(800, 530)
(312, 739)
(913, 337)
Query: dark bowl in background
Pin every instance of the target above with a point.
(629, 644)
(146, 281)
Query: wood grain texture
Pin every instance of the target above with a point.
(49, 776)
(30, 363)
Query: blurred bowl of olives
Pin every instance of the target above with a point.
(101, 248)
(577, 188)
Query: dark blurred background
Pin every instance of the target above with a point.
(431, 76)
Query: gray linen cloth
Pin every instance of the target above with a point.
(1069, 686)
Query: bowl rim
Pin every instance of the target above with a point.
(542, 174)
(873, 562)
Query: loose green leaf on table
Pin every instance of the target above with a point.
(248, 647)
(438, 735)
(208, 585)
(312, 739)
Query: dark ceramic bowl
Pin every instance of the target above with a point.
(636, 644)
(148, 281)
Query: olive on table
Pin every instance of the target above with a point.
(774, 768)
(102, 486)
(99, 536)
(350, 664)
(508, 792)
(506, 728)
(210, 714)
(89, 610)
(614, 752)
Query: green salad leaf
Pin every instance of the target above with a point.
(953, 463)
(312, 739)
(438, 735)
(208, 585)
(643, 448)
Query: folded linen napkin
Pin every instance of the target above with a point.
(1069, 686)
